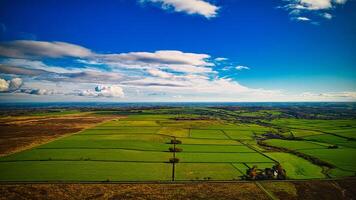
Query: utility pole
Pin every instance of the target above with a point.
(174, 158)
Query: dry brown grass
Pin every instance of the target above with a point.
(133, 191)
(20, 133)
(306, 190)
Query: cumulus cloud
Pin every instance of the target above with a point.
(169, 72)
(240, 67)
(4, 85)
(314, 8)
(199, 7)
(104, 91)
(37, 91)
(30, 48)
(10, 85)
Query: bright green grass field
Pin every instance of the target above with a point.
(90, 154)
(343, 158)
(318, 125)
(303, 133)
(261, 166)
(297, 168)
(201, 171)
(122, 137)
(214, 148)
(239, 135)
(109, 143)
(222, 157)
(83, 171)
(346, 132)
(118, 130)
(209, 134)
(136, 148)
(331, 139)
(174, 131)
(131, 123)
(186, 123)
(296, 144)
(209, 141)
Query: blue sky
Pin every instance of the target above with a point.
(186, 50)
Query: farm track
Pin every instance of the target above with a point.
(177, 181)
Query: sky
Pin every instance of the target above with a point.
(177, 50)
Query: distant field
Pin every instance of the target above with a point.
(137, 148)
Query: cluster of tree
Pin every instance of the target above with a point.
(191, 118)
(175, 149)
(174, 160)
(175, 141)
(276, 172)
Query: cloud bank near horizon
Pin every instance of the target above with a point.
(30, 68)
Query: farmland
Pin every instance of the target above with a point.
(136, 148)
(217, 145)
(179, 145)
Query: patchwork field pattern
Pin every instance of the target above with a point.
(139, 148)
(136, 148)
(332, 141)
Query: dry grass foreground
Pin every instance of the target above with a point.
(333, 190)
(20, 133)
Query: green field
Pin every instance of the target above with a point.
(136, 148)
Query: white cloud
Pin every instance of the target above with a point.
(104, 91)
(158, 57)
(10, 85)
(165, 59)
(4, 85)
(199, 7)
(327, 16)
(220, 59)
(314, 4)
(313, 8)
(159, 73)
(15, 84)
(30, 48)
(35, 64)
(302, 19)
(168, 59)
(240, 67)
(37, 91)
(340, 1)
